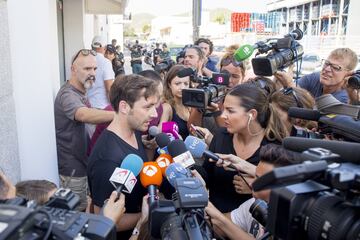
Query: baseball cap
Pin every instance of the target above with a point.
(110, 48)
(98, 41)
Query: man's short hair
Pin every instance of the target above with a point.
(279, 156)
(345, 54)
(207, 41)
(130, 88)
(37, 190)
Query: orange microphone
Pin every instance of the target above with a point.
(151, 178)
(164, 160)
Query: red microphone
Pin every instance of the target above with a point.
(151, 178)
(164, 160)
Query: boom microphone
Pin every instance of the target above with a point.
(124, 178)
(303, 113)
(346, 150)
(151, 178)
(186, 72)
(180, 154)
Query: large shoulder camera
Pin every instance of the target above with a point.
(318, 199)
(208, 90)
(22, 219)
(281, 53)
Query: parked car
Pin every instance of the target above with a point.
(310, 63)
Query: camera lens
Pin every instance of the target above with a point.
(259, 211)
(354, 80)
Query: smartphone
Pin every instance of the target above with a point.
(196, 133)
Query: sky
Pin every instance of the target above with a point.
(171, 7)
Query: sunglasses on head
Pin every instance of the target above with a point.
(226, 61)
(290, 90)
(84, 52)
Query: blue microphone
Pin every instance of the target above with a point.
(175, 171)
(124, 177)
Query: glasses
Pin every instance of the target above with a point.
(226, 61)
(334, 67)
(290, 90)
(84, 52)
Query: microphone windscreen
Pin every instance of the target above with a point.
(196, 146)
(176, 148)
(162, 140)
(133, 163)
(346, 150)
(164, 160)
(153, 131)
(150, 174)
(186, 72)
(303, 113)
(175, 171)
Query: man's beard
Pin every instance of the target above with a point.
(89, 82)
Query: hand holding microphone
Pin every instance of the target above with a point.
(114, 209)
(240, 165)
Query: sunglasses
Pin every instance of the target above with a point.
(226, 61)
(290, 90)
(84, 52)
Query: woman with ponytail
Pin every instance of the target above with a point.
(246, 115)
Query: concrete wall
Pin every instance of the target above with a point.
(9, 151)
(35, 78)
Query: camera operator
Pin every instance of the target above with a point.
(239, 224)
(331, 80)
(194, 58)
(207, 47)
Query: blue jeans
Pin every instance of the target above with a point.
(136, 68)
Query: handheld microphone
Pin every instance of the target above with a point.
(197, 148)
(175, 171)
(162, 140)
(303, 113)
(124, 177)
(171, 128)
(186, 72)
(151, 178)
(244, 52)
(346, 150)
(153, 131)
(180, 154)
(164, 160)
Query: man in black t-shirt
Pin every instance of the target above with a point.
(134, 100)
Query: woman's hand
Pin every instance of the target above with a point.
(229, 160)
(114, 209)
(242, 184)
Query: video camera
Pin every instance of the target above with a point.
(318, 199)
(283, 52)
(183, 217)
(209, 90)
(354, 80)
(22, 219)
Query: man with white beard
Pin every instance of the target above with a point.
(72, 111)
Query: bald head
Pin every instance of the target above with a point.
(83, 70)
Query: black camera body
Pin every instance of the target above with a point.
(283, 52)
(313, 200)
(183, 217)
(209, 90)
(354, 80)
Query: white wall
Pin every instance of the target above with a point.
(35, 78)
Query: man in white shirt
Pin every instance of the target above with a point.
(98, 95)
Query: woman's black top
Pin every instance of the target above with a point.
(219, 181)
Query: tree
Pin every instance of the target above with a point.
(146, 28)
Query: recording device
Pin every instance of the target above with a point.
(180, 154)
(281, 53)
(124, 178)
(151, 178)
(21, 220)
(183, 217)
(153, 132)
(197, 133)
(162, 140)
(354, 80)
(171, 129)
(209, 89)
(313, 200)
